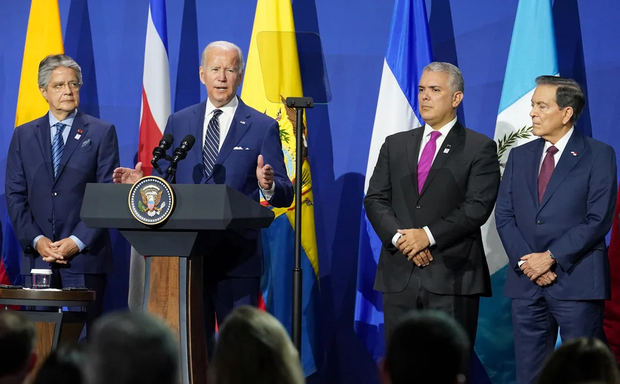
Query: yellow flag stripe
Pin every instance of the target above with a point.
(43, 37)
(272, 71)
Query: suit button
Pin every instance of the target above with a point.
(539, 222)
(418, 207)
(54, 194)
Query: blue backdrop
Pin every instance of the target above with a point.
(107, 39)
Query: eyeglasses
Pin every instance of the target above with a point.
(58, 87)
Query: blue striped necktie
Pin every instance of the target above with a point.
(58, 145)
(211, 146)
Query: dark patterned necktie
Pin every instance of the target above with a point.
(211, 146)
(545, 172)
(58, 145)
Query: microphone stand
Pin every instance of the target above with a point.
(299, 103)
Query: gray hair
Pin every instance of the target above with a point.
(567, 94)
(224, 45)
(51, 62)
(457, 84)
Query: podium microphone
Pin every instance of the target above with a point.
(179, 154)
(160, 151)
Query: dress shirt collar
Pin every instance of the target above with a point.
(444, 130)
(227, 110)
(68, 121)
(560, 144)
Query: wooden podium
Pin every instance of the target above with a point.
(175, 277)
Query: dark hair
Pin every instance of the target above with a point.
(131, 348)
(17, 336)
(62, 366)
(567, 94)
(578, 361)
(427, 347)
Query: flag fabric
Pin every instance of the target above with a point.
(532, 54)
(408, 52)
(271, 75)
(611, 321)
(154, 112)
(43, 37)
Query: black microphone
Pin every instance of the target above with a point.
(181, 152)
(160, 151)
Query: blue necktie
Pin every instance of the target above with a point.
(211, 146)
(58, 145)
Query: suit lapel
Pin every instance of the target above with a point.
(570, 158)
(534, 168)
(238, 127)
(77, 134)
(455, 138)
(44, 138)
(413, 149)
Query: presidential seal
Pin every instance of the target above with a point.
(151, 200)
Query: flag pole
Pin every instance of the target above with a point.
(299, 103)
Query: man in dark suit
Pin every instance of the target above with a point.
(50, 160)
(552, 221)
(431, 190)
(247, 157)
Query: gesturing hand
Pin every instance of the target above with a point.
(264, 173)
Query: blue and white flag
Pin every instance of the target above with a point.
(408, 52)
(532, 54)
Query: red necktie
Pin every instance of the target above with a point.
(426, 160)
(545, 172)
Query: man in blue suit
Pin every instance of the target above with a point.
(552, 221)
(50, 160)
(240, 147)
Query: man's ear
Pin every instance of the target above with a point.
(201, 74)
(567, 114)
(457, 97)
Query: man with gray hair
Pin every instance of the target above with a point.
(431, 190)
(555, 205)
(50, 160)
(239, 147)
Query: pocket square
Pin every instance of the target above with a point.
(238, 148)
(86, 143)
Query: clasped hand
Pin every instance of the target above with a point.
(414, 244)
(60, 251)
(537, 267)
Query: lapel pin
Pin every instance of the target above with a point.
(447, 148)
(78, 134)
(242, 122)
(573, 153)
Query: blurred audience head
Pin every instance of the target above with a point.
(426, 347)
(580, 361)
(253, 347)
(17, 355)
(62, 366)
(131, 348)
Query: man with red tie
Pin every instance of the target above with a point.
(431, 190)
(555, 206)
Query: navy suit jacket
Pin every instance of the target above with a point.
(571, 221)
(38, 204)
(233, 253)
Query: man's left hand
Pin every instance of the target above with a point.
(536, 264)
(264, 173)
(66, 247)
(412, 241)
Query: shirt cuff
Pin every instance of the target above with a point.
(78, 242)
(431, 239)
(268, 193)
(34, 242)
(395, 238)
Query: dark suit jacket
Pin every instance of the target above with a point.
(571, 221)
(35, 199)
(457, 198)
(233, 253)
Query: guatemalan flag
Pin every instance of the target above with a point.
(532, 54)
(408, 52)
(154, 112)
